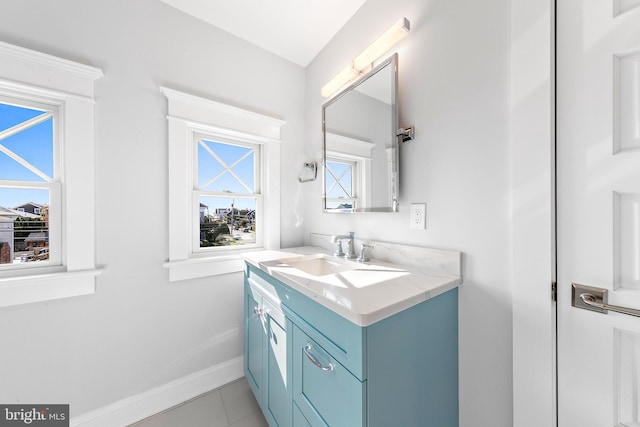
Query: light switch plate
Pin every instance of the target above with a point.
(418, 216)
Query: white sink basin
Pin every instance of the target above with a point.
(318, 264)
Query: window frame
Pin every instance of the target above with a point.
(187, 115)
(28, 75)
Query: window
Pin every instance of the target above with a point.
(47, 243)
(348, 170)
(29, 178)
(340, 188)
(224, 193)
(227, 192)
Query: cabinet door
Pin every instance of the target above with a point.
(326, 393)
(254, 337)
(278, 393)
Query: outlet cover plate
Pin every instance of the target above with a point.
(418, 216)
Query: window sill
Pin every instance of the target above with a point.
(194, 268)
(46, 287)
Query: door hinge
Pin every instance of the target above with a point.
(554, 292)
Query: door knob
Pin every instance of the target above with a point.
(595, 299)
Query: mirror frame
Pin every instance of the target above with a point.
(395, 145)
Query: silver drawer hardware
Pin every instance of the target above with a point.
(257, 310)
(314, 359)
(595, 299)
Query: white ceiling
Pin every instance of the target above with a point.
(293, 29)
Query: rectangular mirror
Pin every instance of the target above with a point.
(360, 153)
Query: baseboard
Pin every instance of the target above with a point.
(135, 408)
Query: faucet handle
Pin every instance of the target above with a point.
(339, 251)
(363, 256)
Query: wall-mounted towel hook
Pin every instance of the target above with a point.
(314, 167)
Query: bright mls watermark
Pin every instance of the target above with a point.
(34, 415)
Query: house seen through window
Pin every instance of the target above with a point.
(27, 181)
(227, 193)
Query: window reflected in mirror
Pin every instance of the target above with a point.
(360, 147)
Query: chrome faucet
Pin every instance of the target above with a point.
(363, 254)
(351, 252)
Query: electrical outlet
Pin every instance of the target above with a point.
(418, 216)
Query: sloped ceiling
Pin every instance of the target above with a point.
(294, 29)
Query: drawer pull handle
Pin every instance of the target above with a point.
(314, 359)
(258, 311)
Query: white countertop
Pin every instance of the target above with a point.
(367, 293)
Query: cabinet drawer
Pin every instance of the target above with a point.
(326, 393)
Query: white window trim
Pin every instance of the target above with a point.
(30, 75)
(187, 115)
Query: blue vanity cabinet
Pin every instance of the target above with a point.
(412, 360)
(267, 358)
(399, 371)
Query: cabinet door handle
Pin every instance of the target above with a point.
(257, 310)
(314, 359)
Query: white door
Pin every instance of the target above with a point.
(598, 196)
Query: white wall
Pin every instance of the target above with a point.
(454, 87)
(139, 331)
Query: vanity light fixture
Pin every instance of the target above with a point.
(364, 61)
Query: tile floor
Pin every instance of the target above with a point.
(232, 405)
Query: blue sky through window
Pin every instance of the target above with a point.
(209, 167)
(11, 115)
(13, 197)
(35, 145)
(343, 172)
